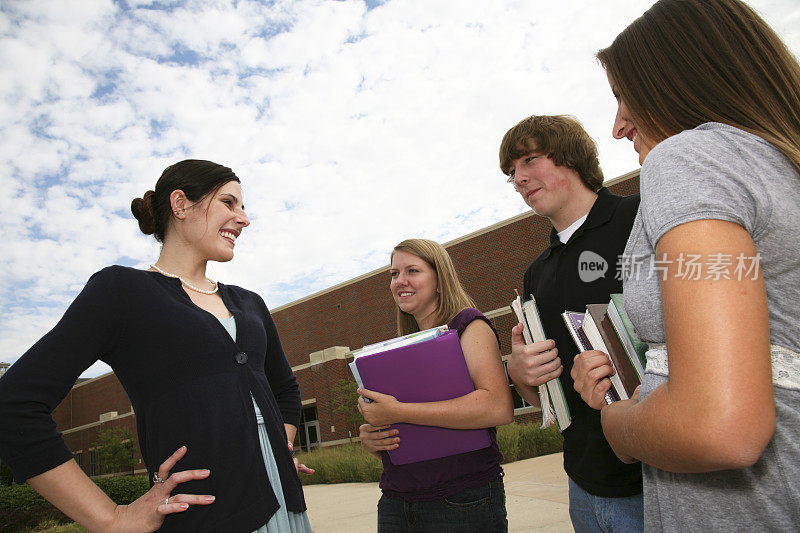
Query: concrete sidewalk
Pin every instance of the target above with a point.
(536, 500)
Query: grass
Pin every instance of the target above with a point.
(51, 526)
(351, 464)
(523, 441)
(348, 463)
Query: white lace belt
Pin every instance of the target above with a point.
(785, 365)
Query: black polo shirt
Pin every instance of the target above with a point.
(567, 277)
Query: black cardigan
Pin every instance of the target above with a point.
(188, 381)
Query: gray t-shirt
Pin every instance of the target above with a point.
(719, 172)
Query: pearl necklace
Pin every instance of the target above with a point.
(196, 289)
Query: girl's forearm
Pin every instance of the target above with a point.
(478, 409)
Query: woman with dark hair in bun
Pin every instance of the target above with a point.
(202, 363)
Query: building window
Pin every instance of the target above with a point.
(308, 432)
(519, 402)
(94, 463)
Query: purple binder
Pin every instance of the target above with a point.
(427, 371)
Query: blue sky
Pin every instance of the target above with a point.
(352, 124)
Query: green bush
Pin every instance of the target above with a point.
(348, 463)
(123, 489)
(6, 477)
(535, 441)
(115, 450)
(523, 441)
(47, 527)
(508, 440)
(22, 509)
(50, 526)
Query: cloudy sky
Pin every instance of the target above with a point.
(353, 124)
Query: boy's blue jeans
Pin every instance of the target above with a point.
(596, 514)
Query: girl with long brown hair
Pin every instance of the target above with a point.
(710, 97)
(462, 492)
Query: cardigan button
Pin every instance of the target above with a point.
(241, 358)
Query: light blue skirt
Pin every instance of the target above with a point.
(283, 521)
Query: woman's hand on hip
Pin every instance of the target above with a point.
(148, 512)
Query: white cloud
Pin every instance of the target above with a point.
(351, 129)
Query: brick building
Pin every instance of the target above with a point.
(319, 331)
(93, 405)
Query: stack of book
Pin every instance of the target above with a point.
(426, 366)
(606, 327)
(551, 394)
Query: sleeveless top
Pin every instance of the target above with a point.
(439, 478)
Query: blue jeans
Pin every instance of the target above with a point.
(479, 509)
(594, 514)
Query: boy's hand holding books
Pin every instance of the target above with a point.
(538, 357)
(532, 364)
(589, 374)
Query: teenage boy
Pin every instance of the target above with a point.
(552, 162)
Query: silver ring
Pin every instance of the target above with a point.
(158, 480)
(166, 502)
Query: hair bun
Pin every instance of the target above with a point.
(142, 209)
